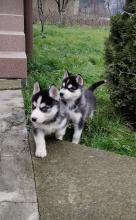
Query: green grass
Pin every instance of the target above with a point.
(80, 50)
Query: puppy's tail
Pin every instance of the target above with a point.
(95, 85)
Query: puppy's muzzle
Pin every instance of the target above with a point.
(61, 94)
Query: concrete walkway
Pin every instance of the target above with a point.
(72, 183)
(18, 199)
(78, 183)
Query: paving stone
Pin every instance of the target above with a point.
(18, 200)
(78, 183)
(10, 84)
(18, 211)
(13, 133)
(10, 99)
(16, 179)
(17, 117)
(4, 126)
(13, 142)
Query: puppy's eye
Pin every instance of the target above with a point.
(72, 89)
(44, 109)
(33, 107)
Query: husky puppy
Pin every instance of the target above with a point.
(47, 117)
(79, 103)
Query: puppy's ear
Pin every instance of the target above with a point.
(66, 74)
(36, 88)
(79, 80)
(54, 92)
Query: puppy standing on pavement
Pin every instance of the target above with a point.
(79, 103)
(47, 117)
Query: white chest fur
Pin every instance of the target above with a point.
(74, 116)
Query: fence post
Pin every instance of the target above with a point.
(28, 25)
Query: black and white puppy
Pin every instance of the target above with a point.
(79, 103)
(47, 117)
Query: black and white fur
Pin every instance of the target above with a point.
(47, 117)
(79, 103)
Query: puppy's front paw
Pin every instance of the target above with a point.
(41, 153)
(75, 141)
(60, 138)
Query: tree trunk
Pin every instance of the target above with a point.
(76, 7)
(61, 18)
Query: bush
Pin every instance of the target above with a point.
(120, 56)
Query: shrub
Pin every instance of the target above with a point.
(120, 56)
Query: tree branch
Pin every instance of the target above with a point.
(130, 14)
(41, 16)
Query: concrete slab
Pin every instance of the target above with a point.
(10, 84)
(10, 99)
(18, 200)
(16, 179)
(16, 145)
(13, 132)
(78, 183)
(18, 211)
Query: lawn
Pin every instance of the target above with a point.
(79, 50)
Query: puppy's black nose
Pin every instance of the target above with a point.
(61, 94)
(34, 119)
